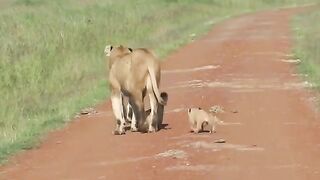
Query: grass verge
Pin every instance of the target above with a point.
(51, 53)
(307, 46)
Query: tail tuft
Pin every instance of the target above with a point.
(164, 98)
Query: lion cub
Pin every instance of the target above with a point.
(155, 121)
(199, 118)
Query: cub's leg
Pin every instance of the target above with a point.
(212, 128)
(199, 125)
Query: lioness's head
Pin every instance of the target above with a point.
(116, 51)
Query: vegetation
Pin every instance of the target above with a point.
(51, 52)
(307, 45)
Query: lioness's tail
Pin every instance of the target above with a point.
(155, 86)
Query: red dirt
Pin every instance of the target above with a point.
(274, 135)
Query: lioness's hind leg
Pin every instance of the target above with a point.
(153, 120)
(137, 104)
(117, 107)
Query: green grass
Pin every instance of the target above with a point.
(51, 53)
(307, 46)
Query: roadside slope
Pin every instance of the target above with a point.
(240, 65)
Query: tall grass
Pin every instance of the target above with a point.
(307, 45)
(51, 52)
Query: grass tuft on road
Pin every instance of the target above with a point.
(51, 53)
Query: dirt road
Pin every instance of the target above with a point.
(242, 65)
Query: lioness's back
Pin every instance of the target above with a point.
(142, 54)
(144, 58)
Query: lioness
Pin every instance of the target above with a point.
(131, 72)
(199, 118)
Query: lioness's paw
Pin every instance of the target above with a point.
(117, 132)
(134, 129)
(151, 130)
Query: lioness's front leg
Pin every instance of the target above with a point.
(133, 122)
(117, 107)
(131, 118)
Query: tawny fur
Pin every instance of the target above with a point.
(199, 119)
(131, 72)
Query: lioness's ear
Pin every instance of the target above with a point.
(107, 50)
(130, 49)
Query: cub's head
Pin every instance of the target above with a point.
(190, 110)
(110, 50)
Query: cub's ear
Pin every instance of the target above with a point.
(130, 49)
(199, 108)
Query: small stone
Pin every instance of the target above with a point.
(220, 141)
(102, 177)
(216, 109)
(88, 111)
(173, 153)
